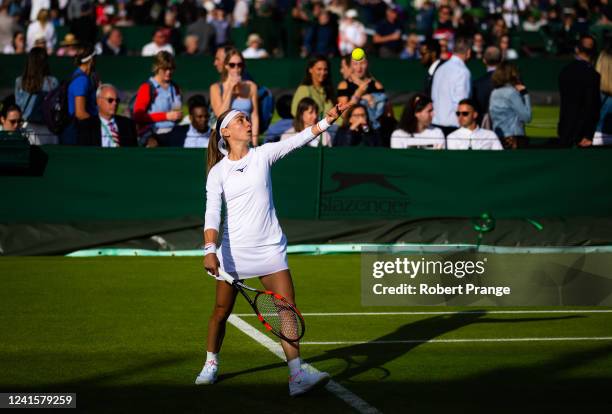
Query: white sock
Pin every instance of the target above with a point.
(211, 356)
(294, 366)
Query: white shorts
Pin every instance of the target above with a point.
(249, 262)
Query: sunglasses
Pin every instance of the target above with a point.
(112, 100)
(233, 65)
(15, 121)
(458, 113)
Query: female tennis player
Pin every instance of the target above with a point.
(253, 243)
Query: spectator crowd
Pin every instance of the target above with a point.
(452, 111)
(304, 27)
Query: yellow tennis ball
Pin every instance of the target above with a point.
(358, 54)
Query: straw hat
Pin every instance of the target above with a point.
(69, 40)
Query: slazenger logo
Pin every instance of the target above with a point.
(347, 180)
(333, 203)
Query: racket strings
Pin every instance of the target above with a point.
(280, 315)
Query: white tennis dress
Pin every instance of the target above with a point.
(253, 243)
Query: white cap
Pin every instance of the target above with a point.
(351, 13)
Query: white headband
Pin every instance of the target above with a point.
(228, 118)
(88, 58)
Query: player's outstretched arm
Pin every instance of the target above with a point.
(277, 150)
(332, 116)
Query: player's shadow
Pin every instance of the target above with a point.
(361, 358)
(375, 354)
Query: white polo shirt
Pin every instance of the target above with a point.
(478, 139)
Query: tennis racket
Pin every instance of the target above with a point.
(278, 316)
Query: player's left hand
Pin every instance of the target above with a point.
(337, 111)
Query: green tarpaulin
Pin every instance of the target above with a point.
(96, 184)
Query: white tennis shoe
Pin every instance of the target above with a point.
(208, 374)
(305, 381)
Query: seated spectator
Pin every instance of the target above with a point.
(356, 129)
(414, 129)
(234, 92)
(204, 31)
(158, 104)
(109, 129)
(30, 91)
(306, 116)
(603, 131)
(17, 46)
(81, 96)
(68, 46)
(388, 36)
(221, 25)
(113, 45)
(42, 28)
(240, 15)
(283, 108)
(159, 44)
(470, 135)
(430, 58)
(10, 119)
(498, 30)
(507, 52)
(425, 17)
(411, 49)
(254, 49)
(361, 87)
(443, 27)
(316, 85)
(196, 133)
(533, 23)
(478, 46)
(321, 37)
(172, 26)
(351, 33)
(8, 26)
(509, 106)
(191, 46)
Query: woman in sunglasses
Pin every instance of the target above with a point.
(10, 119)
(233, 92)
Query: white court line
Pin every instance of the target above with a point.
(502, 312)
(332, 386)
(429, 341)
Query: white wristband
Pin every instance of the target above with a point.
(323, 125)
(210, 248)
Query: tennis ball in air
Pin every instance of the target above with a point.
(358, 54)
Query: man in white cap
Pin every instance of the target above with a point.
(254, 49)
(351, 32)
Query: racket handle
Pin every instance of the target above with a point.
(226, 276)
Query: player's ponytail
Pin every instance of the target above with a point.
(214, 155)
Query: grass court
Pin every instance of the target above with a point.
(127, 334)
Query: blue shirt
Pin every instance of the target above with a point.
(82, 85)
(509, 111)
(165, 100)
